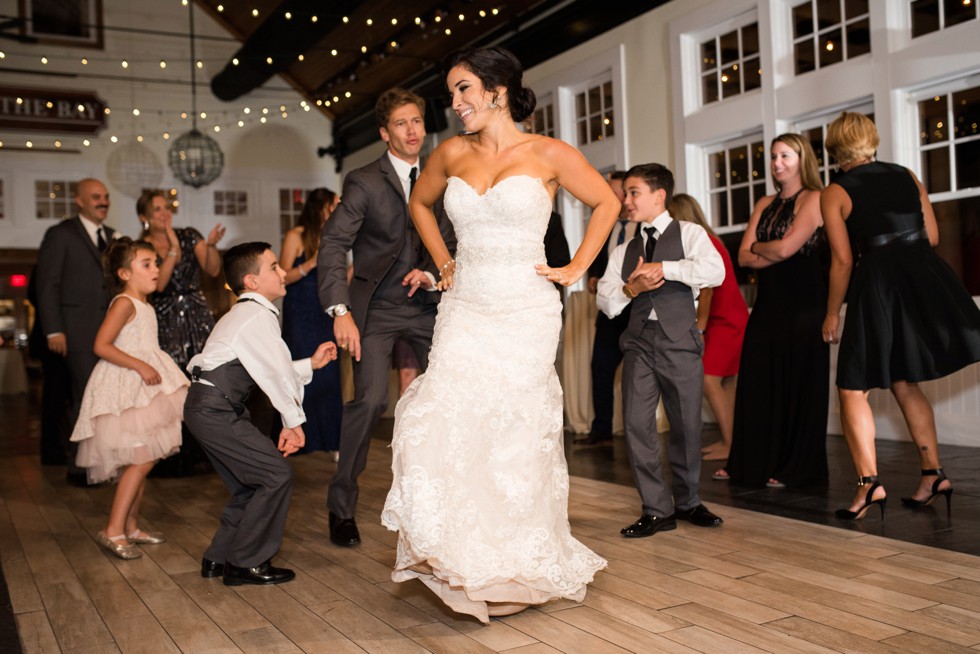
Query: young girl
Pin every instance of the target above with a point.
(131, 410)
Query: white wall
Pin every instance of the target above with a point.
(259, 159)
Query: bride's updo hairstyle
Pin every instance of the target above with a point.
(497, 67)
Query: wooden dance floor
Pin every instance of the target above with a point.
(757, 584)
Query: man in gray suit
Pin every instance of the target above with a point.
(660, 272)
(72, 292)
(391, 295)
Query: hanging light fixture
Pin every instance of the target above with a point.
(195, 158)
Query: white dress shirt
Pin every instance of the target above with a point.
(404, 169)
(92, 228)
(250, 333)
(701, 266)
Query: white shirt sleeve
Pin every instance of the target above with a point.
(609, 295)
(261, 350)
(701, 266)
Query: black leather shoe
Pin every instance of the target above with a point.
(211, 569)
(594, 439)
(343, 531)
(699, 516)
(261, 575)
(648, 525)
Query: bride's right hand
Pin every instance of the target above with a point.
(565, 275)
(446, 274)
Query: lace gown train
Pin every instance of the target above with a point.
(480, 490)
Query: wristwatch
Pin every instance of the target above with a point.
(628, 292)
(338, 310)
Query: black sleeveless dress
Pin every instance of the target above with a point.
(909, 318)
(780, 428)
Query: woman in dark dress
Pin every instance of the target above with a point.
(184, 319)
(780, 432)
(305, 325)
(909, 319)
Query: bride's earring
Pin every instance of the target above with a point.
(493, 103)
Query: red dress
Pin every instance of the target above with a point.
(726, 322)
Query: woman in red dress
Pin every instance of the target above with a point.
(722, 316)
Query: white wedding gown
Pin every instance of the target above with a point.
(480, 489)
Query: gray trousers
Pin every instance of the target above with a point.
(655, 367)
(385, 324)
(254, 471)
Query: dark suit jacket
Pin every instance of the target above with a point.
(71, 290)
(372, 220)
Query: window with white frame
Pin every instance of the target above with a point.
(827, 32)
(730, 63)
(929, 16)
(54, 199)
(737, 179)
(815, 131)
(230, 203)
(542, 121)
(291, 202)
(594, 111)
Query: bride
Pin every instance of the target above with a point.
(480, 489)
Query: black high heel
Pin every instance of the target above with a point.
(847, 514)
(913, 503)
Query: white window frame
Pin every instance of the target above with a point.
(736, 23)
(822, 120)
(224, 201)
(69, 200)
(942, 18)
(720, 224)
(818, 32)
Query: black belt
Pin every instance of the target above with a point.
(896, 238)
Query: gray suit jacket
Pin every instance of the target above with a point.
(372, 220)
(71, 290)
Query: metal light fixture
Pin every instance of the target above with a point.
(195, 158)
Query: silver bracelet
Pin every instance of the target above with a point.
(302, 272)
(445, 267)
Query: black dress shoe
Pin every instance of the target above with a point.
(594, 439)
(261, 575)
(210, 569)
(648, 525)
(699, 516)
(343, 531)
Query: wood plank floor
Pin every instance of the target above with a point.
(759, 583)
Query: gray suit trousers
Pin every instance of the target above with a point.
(385, 324)
(259, 479)
(655, 367)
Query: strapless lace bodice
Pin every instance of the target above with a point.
(480, 489)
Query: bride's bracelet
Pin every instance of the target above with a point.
(445, 267)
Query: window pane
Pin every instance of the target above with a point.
(815, 137)
(758, 161)
(716, 169)
(958, 11)
(932, 120)
(709, 57)
(730, 84)
(595, 128)
(580, 106)
(959, 223)
(709, 88)
(607, 97)
(751, 74)
(284, 199)
(803, 54)
(802, 19)
(968, 164)
(729, 47)
(925, 17)
(935, 170)
(831, 50)
(741, 206)
(609, 124)
(583, 132)
(855, 8)
(858, 39)
(758, 192)
(828, 13)
(966, 112)
(719, 209)
(595, 104)
(739, 161)
(750, 40)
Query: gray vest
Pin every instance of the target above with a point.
(390, 288)
(231, 380)
(674, 301)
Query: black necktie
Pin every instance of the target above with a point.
(100, 240)
(622, 233)
(651, 233)
(411, 179)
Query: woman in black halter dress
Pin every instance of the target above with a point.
(909, 319)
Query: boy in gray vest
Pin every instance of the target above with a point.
(245, 350)
(660, 272)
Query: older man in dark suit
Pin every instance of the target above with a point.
(72, 292)
(391, 295)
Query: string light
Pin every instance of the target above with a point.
(163, 64)
(125, 64)
(289, 15)
(136, 112)
(44, 60)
